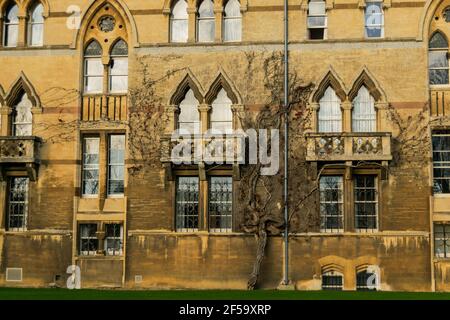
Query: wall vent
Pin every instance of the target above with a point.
(138, 279)
(13, 274)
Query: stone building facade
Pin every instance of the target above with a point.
(90, 92)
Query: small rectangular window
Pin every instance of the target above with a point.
(317, 19)
(187, 208)
(116, 164)
(442, 240)
(88, 241)
(220, 204)
(331, 204)
(366, 203)
(441, 161)
(374, 19)
(90, 170)
(17, 204)
(113, 239)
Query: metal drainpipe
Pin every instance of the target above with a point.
(286, 145)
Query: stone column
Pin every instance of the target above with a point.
(103, 171)
(218, 12)
(6, 121)
(346, 107)
(204, 117)
(192, 22)
(237, 109)
(21, 39)
(314, 106)
(380, 108)
(172, 112)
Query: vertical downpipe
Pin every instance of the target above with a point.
(286, 145)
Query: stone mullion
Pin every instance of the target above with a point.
(6, 113)
(172, 112)
(192, 21)
(346, 116)
(314, 116)
(103, 169)
(237, 109)
(1, 30)
(381, 108)
(218, 12)
(21, 40)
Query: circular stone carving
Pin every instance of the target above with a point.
(106, 23)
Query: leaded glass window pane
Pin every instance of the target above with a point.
(330, 115)
(438, 41)
(23, 118)
(179, 22)
(120, 48)
(113, 239)
(232, 21)
(366, 203)
(90, 172)
(88, 241)
(17, 204)
(187, 208)
(331, 204)
(441, 161)
(220, 204)
(442, 240)
(119, 75)
(364, 115)
(116, 164)
(438, 60)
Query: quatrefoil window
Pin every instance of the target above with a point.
(106, 23)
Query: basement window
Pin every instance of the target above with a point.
(441, 161)
(332, 280)
(187, 207)
(366, 281)
(317, 20)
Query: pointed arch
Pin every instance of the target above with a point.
(20, 86)
(2, 96)
(222, 81)
(44, 3)
(366, 79)
(332, 267)
(5, 3)
(427, 17)
(89, 14)
(189, 82)
(331, 79)
(438, 40)
(115, 46)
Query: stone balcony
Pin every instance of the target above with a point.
(20, 152)
(111, 107)
(195, 149)
(374, 146)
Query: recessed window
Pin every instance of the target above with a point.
(364, 115)
(116, 164)
(331, 204)
(220, 204)
(90, 171)
(11, 25)
(332, 280)
(317, 20)
(330, 114)
(36, 25)
(17, 213)
(113, 239)
(438, 59)
(189, 117)
(442, 240)
(366, 203)
(366, 280)
(232, 21)
(441, 161)
(187, 206)
(179, 22)
(221, 114)
(88, 241)
(206, 24)
(374, 19)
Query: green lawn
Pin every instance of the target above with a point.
(64, 294)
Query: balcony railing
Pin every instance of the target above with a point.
(194, 149)
(104, 107)
(19, 150)
(349, 146)
(440, 102)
